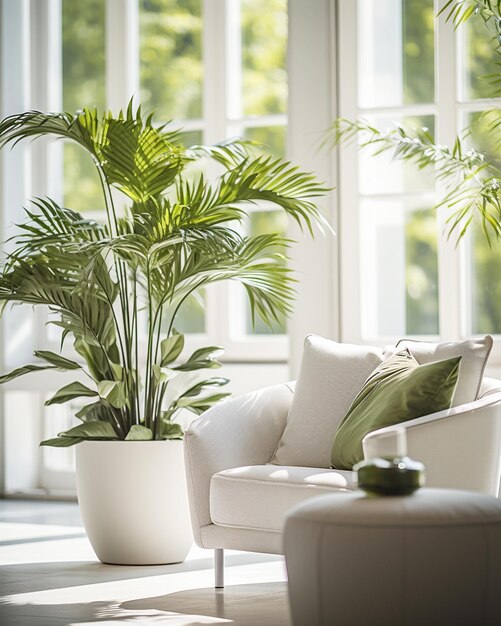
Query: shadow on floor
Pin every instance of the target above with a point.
(242, 605)
(30, 577)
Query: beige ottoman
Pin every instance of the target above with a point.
(429, 559)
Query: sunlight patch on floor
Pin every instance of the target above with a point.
(18, 532)
(50, 576)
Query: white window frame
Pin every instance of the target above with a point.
(449, 111)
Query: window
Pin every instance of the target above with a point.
(400, 274)
(211, 91)
(215, 69)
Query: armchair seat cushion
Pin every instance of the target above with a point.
(258, 497)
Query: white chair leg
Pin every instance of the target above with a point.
(219, 567)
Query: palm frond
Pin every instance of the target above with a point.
(229, 153)
(459, 11)
(49, 225)
(255, 263)
(278, 182)
(470, 179)
(34, 124)
(136, 157)
(199, 202)
(139, 159)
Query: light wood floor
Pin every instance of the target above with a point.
(50, 576)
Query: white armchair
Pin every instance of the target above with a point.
(238, 500)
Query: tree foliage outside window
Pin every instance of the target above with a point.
(171, 64)
(264, 38)
(84, 85)
(418, 33)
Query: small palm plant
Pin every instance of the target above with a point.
(470, 177)
(105, 282)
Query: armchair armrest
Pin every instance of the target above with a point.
(241, 431)
(460, 447)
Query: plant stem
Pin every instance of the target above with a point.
(122, 284)
(136, 349)
(149, 383)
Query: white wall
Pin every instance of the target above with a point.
(312, 108)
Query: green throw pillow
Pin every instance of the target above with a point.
(397, 390)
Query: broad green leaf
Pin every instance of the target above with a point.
(69, 392)
(57, 360)
(139, 433)
(61, 442)
(95, 358)
(201, 359)
(117, 370)
(163, 374)
(170, 430)
(204, 403)
(21, 371)
(113, 391)
(199, 387)
(191, 366)
(167, 414)
(92, 412)
(92, 430)
(209, 352)
(171, 348)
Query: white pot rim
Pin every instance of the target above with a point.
(114, 442)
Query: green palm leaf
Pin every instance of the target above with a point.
(70, 392)
(137, 158)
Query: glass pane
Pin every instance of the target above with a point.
(484, 261)
(399, 269)
(58, 418)
(485, 285)
(83, 54)
(264, 45)
(480, 59)
(395, 52)
(171, 68)
(82, 189)
(20, 439)
(83, 85)
(421, 271)
(191, 138)
(486, 134)
(380, 174)
(190, 318)
(260, 223)
(272, 138)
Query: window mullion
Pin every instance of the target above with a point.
(349, 227)
(122, 52)
(214, 55)
(215, 115)
(234, 60)
(446, 130)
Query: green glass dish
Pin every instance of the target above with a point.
(388, 476)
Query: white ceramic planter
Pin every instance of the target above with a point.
(133, 500)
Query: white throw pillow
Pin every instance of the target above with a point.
(473, 352)
(330, 377)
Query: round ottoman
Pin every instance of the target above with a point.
(429, 559)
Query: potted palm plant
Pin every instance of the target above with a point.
(114, 287)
